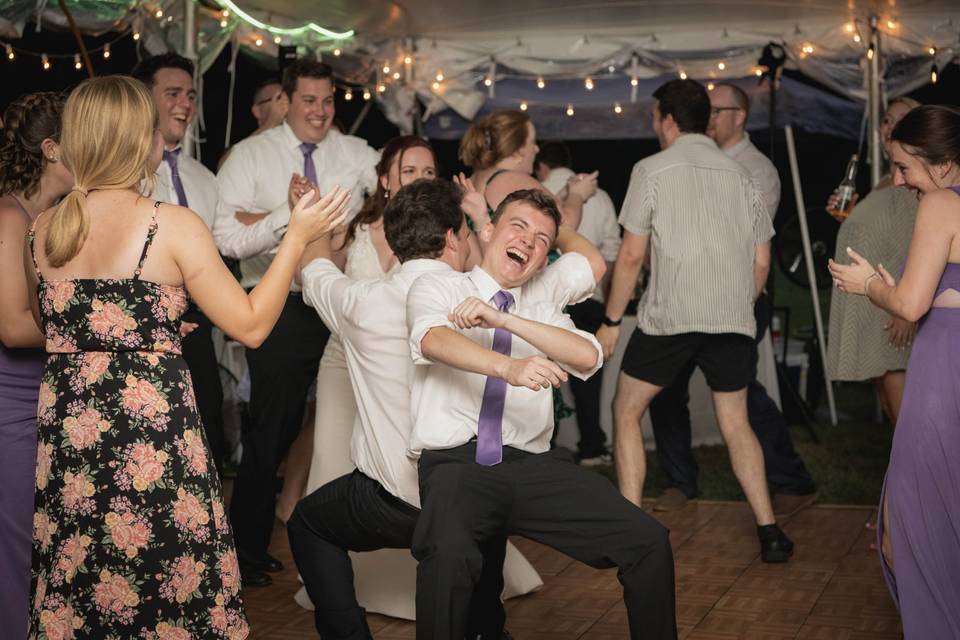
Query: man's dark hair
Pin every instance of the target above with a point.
(740, 97)
(687, 101)
(418, 217)
(258, 92)
(304, 68)
(536, 198)
(146, 69)
(555, 154)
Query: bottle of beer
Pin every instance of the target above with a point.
(847, 188)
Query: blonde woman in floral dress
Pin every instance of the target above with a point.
(130, 536)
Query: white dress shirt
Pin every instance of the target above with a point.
(763, 172)
(369, 316)
(199, 185)
(598, 223)
(256, 178)
(446, 401)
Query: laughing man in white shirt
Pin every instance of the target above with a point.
(483, 419)
(184, 181)
(264, 173)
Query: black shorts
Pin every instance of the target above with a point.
(727, 360)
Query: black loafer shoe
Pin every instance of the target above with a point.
(775, 546)
(264, 562)
(250, 577)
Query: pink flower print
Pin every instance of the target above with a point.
(145, 465)
(76, 491)
(59, 623)
(41, 591)
(193, 451)
(172, 302)
(167, 631)
(46, 401)
(59, 293)
(218, 618)
(142, 398)
(188, 512)
(72, 554)
(185, 581)
(239, 629)
(44, 461)
(57, 343)
(219, 522)
(152, 358)
(114, 594)
(127, 532)
(84, 430)
(230, 572)
(109, 320)
(43, 530)
(94, 366)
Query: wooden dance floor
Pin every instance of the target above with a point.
(832, 588)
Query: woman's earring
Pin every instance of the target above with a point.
(386, 194)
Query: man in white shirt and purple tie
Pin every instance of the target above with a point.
(489, 345)
(183, 180)
(265, 173)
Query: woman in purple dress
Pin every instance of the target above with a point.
(32, 178)
(919, 534)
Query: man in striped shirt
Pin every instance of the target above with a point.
(708, 232)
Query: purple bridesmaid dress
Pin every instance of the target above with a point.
(922, 486)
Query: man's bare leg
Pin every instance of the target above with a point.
(746, 456)
(629, 405)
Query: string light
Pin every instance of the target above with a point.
(570, 111)
(158, 13)
(386, 68)
(396, 75)
(407, 60)
(259, 41)
(932, 51)
(870, 53)
(523, 105)
(807, 48)
(617, 109)
(633, 81)
(136, 35)
(277, 39)
(76, 62)
(106, 51)
(436, 85)
(540, 83)
(366, 94)
(933, 74)
(849, 27)
(348, 95)
(337, 51)
(856, 37)
(758, 72)
(439, 76)
(721, 66)
(223, 23)
(45, 62)
(891, 24)
(225, 13)
(588, 83)
(10, 54)
(487, 81)
(381, 88)
(710, 86)
(683, 75)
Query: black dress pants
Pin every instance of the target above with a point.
(201, 359)
(588, 316)
(548, 499)
(355, 513)
(281, 372)
(670, 418)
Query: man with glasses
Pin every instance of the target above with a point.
(669, 414)
(707, 230)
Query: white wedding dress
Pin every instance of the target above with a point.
(385, 580)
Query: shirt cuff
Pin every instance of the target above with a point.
(279, 219)
(583, 375)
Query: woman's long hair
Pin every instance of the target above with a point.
(930, 132)
(373, 207)
(108, 130)
(28, 121)
(493, 138)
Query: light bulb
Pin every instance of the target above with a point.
(856, 37)
(10, 54)
(277, 39)
(932, 51)
(337, 51)
(76, 62)
(106, 51)
(523, 106)
(487, 81)
(540, 83)
(436, 85)
(710, 86)
(366, 94)
(617, 109)
(570, 111)
(258, 41)
(348, 95)
(721, 66)
(849, 27)
(158, 13)
(386, 68)
(588, 83)
(407, 60)
(381, 88)
(634, 82)
(439, 76)
(136, 35)
(223, 23)
(396, 75)
(45, 61)
(683, 75)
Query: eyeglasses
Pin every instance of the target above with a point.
(715, 111)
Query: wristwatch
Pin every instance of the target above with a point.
(607, 322)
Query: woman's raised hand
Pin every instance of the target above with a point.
(310, 221)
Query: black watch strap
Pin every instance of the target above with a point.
(607, 322)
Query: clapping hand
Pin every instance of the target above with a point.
(312, 218)
(299, 185)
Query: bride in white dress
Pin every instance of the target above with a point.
(385, 580)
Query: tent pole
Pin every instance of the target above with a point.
(361, 117)
(811, 275)
(873, 98)
(190, 52)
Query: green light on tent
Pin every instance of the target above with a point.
(296, 31)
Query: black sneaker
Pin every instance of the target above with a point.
(775, 546)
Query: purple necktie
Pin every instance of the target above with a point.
(309, 171)
(490, 424)
(170, 157)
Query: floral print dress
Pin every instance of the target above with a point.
(130, 539)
